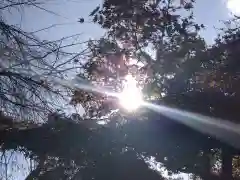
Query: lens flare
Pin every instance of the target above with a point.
(234, 6)
(131, 96)
(223, 130)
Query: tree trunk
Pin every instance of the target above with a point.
(226, 163)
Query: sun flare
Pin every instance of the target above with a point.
(234, 6)
(131, 96)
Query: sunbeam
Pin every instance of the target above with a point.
(234, 6)
(131, 97)
(84, 86)
(221, 129)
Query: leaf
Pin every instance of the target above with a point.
(81, 20)
(101, 20)
(95, 18)
(197, 27)
(94, 11)
(202, 26)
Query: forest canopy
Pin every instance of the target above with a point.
(152, 57)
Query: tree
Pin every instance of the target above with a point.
(190, 75)
(212, 87)
(29, 67)
(132, 26)
(82, 150)
(76, 150)
(184, 67)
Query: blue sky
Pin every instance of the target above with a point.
(208, 12)
(68, 13)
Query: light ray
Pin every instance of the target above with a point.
(131, 96)
(224, 130)
(234, 6)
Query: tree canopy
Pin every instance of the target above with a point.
(180, 71)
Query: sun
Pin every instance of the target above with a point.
(131, 97)
(234, 6)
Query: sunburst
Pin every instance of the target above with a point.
(131, 97)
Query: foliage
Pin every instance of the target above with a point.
(131, 28)
(191, 75)
(84, 150)
(185, 73)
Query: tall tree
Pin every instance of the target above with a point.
(133, 26)
(29, 66)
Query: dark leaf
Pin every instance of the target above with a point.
(81, 20)
(94, 11)
(95, 18)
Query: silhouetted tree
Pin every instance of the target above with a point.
(29, 67)
(191, 76)
(68, 149)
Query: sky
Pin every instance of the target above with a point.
(211, 13)
(67, 12)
